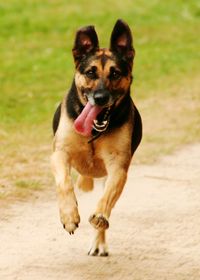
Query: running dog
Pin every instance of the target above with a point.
(97, 128)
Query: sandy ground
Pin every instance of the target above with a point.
(154, 230)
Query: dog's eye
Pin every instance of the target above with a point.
(115, 75)
(91, 74)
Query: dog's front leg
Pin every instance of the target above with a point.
(113, 188)
(66, 198)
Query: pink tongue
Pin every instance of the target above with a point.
(83, 124)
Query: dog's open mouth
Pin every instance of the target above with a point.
(92, 117)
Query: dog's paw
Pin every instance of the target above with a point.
(98, 221)
(70, 219)
(98, 250)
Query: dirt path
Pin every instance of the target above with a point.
(154, 232)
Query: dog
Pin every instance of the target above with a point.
(97, 128)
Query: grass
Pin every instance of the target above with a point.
(36, 38)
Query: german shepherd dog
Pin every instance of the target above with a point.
(97, 128)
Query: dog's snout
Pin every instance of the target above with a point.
(101, 98)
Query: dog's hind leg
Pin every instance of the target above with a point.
(98, 246)
(99, 220)
(85, 183)
(66, 198)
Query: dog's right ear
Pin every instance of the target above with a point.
(86, 41)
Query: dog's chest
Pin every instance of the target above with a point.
(87, 161)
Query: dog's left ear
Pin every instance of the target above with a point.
(86, 41)
(121, 41)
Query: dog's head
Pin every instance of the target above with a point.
(103, 76)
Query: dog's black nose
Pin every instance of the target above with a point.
(101, 98)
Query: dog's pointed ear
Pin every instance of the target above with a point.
(86, 41)
(121, 41)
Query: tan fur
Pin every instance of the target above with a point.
(85, 183)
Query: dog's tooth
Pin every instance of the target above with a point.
(98, 129)
(102, 125)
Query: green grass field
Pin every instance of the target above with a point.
(36, 69)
